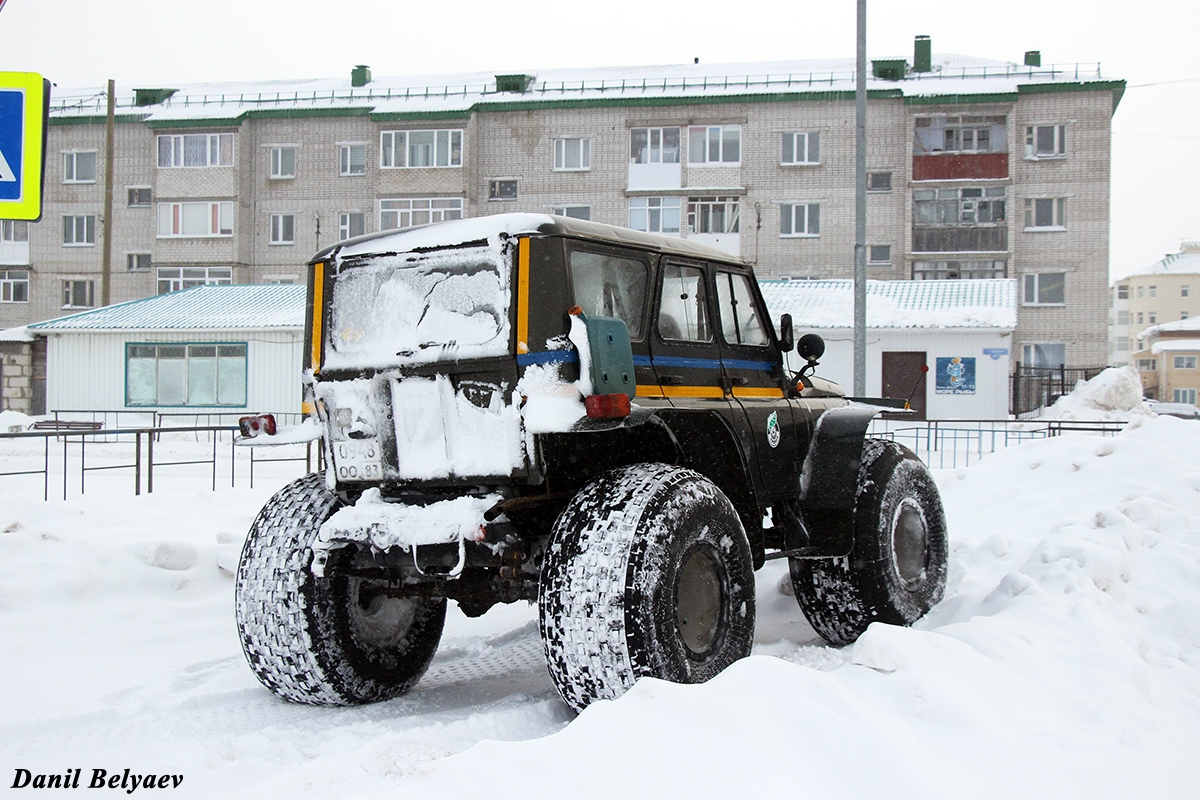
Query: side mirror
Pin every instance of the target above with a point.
(787, 339)
(810, 347)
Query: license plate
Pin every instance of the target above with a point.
(357, 460)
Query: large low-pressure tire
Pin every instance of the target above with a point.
(648, 574)
(329, 640)
(896, 570)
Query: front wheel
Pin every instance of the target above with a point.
(341, 639)
(896, 570)
(648, 574)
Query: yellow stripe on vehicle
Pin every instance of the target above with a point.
(739, 391)
(523, 295)
(678, 391)
(318, 313)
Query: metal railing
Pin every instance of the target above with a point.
(85, 452)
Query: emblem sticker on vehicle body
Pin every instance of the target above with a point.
(773, 429)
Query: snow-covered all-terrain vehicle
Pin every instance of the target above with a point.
(526, 407)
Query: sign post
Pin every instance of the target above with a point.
(24, 114)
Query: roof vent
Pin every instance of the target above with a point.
(360, 75)
(891, 69)
(922, 54)
(1033, 58)
(151, 97)
(513, 83)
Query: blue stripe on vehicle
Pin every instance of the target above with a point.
(693, 363)
(641, 361)
(765, 366)
(547, 357)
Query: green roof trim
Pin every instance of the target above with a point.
(774, 97)
(393, 116)
(301, 113)
(956, 99)
(97, 119)
(1116, 87)
(209, 122)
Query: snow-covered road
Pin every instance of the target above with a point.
(1064, 662)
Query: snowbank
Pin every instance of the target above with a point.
(1114, 394)
(14, 421)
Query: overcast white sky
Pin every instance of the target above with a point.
(1151, 44)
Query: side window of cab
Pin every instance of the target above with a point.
(683, 306)
(742, 321)
(611, 285)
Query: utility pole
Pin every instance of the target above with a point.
(860, 208)
(106, 252)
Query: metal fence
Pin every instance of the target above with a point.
(71, 456)
(1034, 388)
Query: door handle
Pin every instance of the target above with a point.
(670, 380)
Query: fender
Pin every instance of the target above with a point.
(829, 479)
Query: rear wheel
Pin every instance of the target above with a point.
(648, 573)
(332, 640)
(896, 570)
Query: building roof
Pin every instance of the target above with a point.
(1185, 262)
(1176, 326)
(201, 308)
(461, 93)
(897, 304)
(17, 334)
(1174, 345)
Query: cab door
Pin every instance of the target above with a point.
(750, 362)
(683, 346)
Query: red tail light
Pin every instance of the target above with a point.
(253, 426)
(607, 406)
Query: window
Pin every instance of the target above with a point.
(713, 214)
(654, 145)
(502, 190)
(1046, 141)
(955, 270)
(12, 230)
(1123, 291)
(879, 181)
(1044, 355)
(1140, 318)
(1147, 364)
(139, 196)
(1141, 292)
(173, 279)
(800, 219)
(195, 219)
(1183, 362)
(185, 374)
(802, 148)
(283, 162)
(1183, 290)
(195, 150)
(611, 286)
(137, 262)
(654, 214)
(421, 211)
(1123, 343)
(577, 212)
(741, 319)
(1183, 315)
(970, 134)
(352, 159)
(1046, 212)
(879, 254)
(79, 294)
(715, 144)
(965, 206)
(280, 280)
(1184, 396)
(351, 224)
(1045, 289)
(1151, 317)
(283, 229)
(683, 305)
(413, 149)
(572, 154)
(79, 231)
(1122, 317)
(79, 167)
(14, 286)
(1154, 291)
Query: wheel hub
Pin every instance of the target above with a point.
(910, 539)
(698, 601)
(378, 618)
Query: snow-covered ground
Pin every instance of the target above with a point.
(1063, 663)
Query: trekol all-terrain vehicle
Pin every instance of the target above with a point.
(531, 408)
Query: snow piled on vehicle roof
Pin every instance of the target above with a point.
(493, 229)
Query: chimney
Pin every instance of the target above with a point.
(1033, 58)
(360, 75)
(922, 55)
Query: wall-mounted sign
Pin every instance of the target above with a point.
(955, 376)
(995, 352)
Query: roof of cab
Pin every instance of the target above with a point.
(443, 235)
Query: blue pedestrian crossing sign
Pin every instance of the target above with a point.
(24, 112)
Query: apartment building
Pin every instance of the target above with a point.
(1166, 291)
(977, 169)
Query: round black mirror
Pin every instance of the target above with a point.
(810, 347)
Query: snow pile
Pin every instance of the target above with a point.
(1114, 394)
(14, 421)
(1063, 663)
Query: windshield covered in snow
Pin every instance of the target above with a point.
(420, 307)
